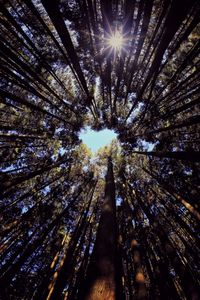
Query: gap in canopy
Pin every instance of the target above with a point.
(96, 139)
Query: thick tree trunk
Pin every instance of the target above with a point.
(101, 278)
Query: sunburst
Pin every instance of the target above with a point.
(116, 41)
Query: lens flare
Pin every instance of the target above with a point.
(116, 41)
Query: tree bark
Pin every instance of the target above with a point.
(101, 277)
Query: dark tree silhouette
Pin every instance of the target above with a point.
(122, 223)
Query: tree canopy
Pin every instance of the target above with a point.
(123, 224)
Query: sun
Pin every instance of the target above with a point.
(116, 40)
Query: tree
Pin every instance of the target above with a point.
(68, 229)
(101, 277)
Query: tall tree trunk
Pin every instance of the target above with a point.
(101, 277)
(56, 18)
(179, 155)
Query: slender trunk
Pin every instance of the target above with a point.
(67, 263)
(23, 101)
(182, 155)
(30, 247)
(186, 123)
(170, 189)
(24, 177)
(55, 16)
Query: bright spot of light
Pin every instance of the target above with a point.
(116, 40)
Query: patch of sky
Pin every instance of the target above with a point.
(97, 87)
(96, 139)
(46, 190)
(91, 248)
(131, 97)
(136, 111)
(58, 130)
(147, 145)
(62, 151)
(133, 222)
(10, 168)
(67, 101)
(74, 35)
(26, 30)
(54, 157)
(146, 221)
(12, 132)
(188, 171)
(24, 209)
(119, 201)
(30, 232)
(85, 168)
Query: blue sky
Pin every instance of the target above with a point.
(97, 139)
